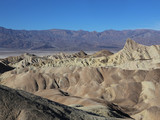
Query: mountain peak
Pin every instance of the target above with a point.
(131, 44)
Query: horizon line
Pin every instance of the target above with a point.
(81, 29)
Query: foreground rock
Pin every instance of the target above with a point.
(20, 105)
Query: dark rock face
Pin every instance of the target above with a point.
(4, 68)
(74, 40)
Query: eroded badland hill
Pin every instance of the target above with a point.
(101, 86)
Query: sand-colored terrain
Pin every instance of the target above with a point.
(136, 56)
(20, 105)
(110, 85)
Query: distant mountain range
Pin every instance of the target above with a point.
(70, 40)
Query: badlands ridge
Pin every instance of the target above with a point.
(101, 86)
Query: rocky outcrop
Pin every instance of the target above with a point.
(61, 59)
(136, 56)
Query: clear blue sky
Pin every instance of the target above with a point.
(90, 15)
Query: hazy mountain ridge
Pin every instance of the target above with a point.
(74, 40)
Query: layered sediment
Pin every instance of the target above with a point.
(126, 82)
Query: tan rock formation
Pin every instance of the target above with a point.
(101, 53)
(136, 56)
(135, 91)
(128, 78)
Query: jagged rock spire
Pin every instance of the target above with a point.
(131, 44)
